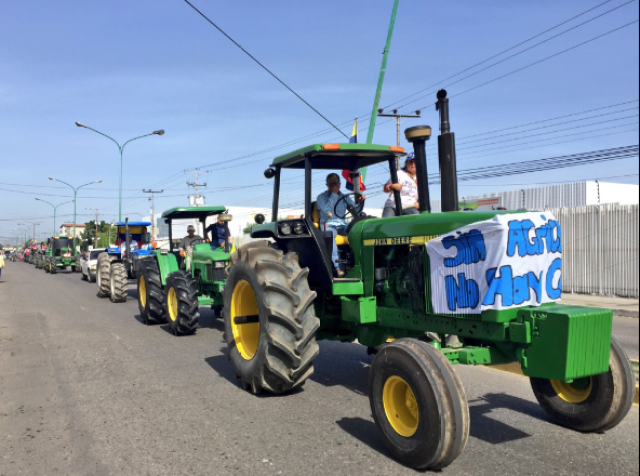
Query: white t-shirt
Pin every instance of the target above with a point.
(408, 194)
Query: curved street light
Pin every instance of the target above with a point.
(75, 197)
(55, 210)
(121, 149)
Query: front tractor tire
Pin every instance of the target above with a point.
(269, 318)
(181, 301)
(593, 404)
(419, 404)
(119, 283)
(103, 275)
(150, 294)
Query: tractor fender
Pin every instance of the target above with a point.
(168, 264)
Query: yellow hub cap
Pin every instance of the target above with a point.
(245, 304)
(142, 292)
(401, 406)
(172, 304)
(575, 392)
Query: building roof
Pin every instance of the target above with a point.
(71, 224)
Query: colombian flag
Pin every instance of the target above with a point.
(346, 173)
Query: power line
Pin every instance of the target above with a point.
(265, 68)
(520, 52)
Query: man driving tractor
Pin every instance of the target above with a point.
(330, 221)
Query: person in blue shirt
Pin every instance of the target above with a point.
(218, 236)
(328, 219)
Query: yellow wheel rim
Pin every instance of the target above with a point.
(576, 392)
(172, 304)
(245, 304)
(142, 292)
(401, 407)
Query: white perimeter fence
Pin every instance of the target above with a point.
(600, 249)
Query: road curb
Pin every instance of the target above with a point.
(515, 369)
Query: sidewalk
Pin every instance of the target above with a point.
(620, 306)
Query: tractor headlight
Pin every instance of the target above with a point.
(298, 229)
(218, 264)
(285, 229)
(93, 267)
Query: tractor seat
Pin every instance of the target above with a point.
(340, 240)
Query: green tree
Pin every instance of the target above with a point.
(89, 235)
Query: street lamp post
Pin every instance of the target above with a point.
(121, 149)
(55, 210)
(31, 223)
(75, 197)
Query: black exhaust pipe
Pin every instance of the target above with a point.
(447, 156)
(419, 136)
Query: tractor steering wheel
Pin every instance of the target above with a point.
(352, 211)
(196, 241)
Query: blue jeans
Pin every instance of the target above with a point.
(335, 231)
(215, 244)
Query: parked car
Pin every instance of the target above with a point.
(89, 264)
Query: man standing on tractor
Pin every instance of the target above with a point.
(329, 221)
(408, 187)
(218, 234)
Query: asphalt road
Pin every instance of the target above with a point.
(87, 389)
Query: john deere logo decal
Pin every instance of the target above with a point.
(404, 240)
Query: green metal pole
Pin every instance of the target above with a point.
(75, 206)
(383, 71)
(120, 193)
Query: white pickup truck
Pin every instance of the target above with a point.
(89, 264)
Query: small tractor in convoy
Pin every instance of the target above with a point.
(59, 255)
(490, 279)
(119, 263)
(174, 284)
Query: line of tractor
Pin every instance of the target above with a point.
(278, 296)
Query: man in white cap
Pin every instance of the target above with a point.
(188, 240)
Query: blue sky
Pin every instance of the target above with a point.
(129, 68)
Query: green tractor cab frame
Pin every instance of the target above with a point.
(171, 288)
(281, 297)
(59, 255)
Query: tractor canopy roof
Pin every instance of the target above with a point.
(339, 156)
(135, 223)
(188, 213)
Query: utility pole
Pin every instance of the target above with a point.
(196, 185)
(34, 227)
(95, 240)
(399, 122)
(152, 199)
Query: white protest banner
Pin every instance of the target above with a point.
(510, 261)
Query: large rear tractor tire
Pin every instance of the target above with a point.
(53, 269)
(269, 319)
(119, 283)
(419, 404)
(593, 404)
(103, 275)
(150, 294)
(183, 307)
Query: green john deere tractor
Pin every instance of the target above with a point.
(172, 285)
(59, 255)
(413, 282)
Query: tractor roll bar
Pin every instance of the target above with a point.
(394, 179)
(276, 195)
